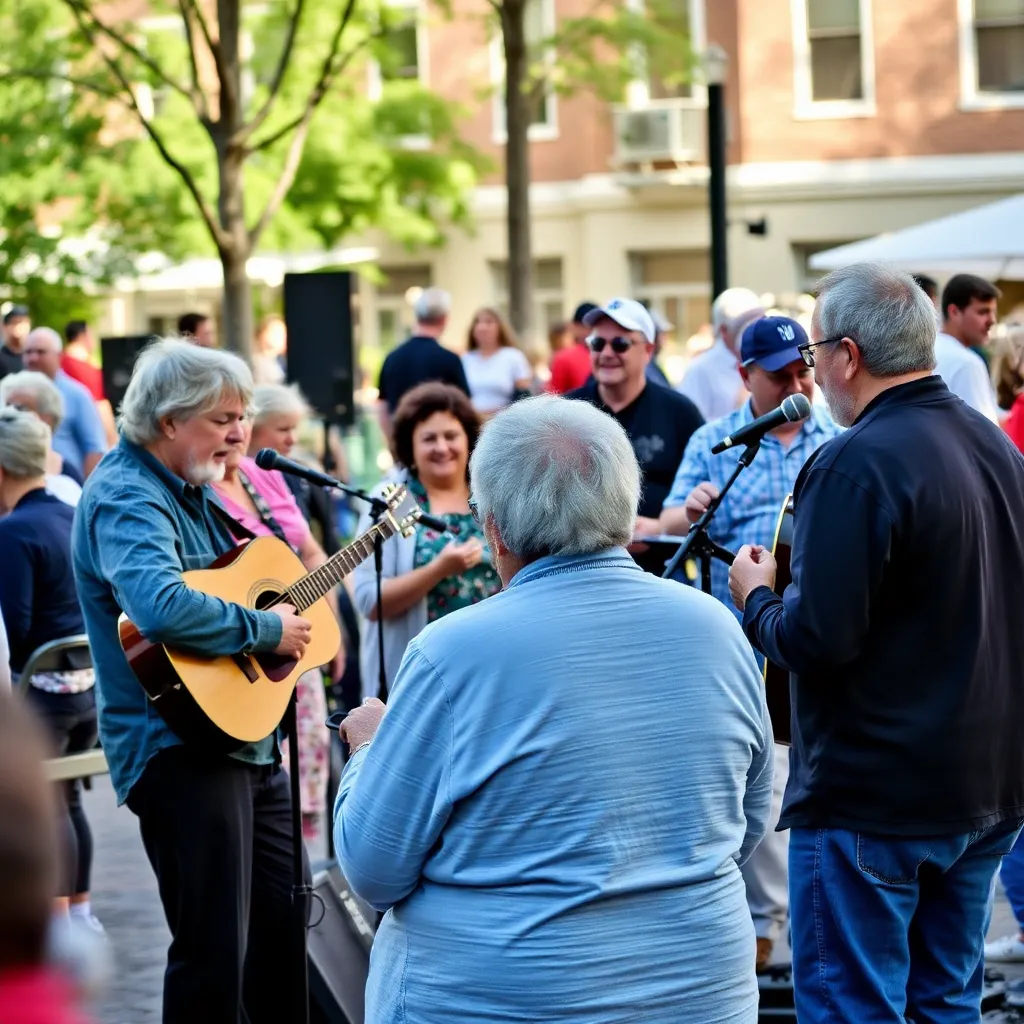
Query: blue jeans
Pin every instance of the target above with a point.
(886, 929)
(1011, 874)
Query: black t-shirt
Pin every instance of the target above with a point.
(659, 423)
(415, 361)
(10, 362)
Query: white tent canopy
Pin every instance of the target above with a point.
(986, 240)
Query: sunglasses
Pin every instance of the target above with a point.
(619, 345)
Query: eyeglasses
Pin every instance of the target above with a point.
(805, 350)
(474, 509)
(619, 345)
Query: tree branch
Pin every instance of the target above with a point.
(204, 28)
(81, 10)
(14, 74)
(220, 237)
(327, 75)
(279, 72)
(198, 95)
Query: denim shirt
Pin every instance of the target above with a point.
(137, 528)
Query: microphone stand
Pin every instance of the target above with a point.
(697, 540)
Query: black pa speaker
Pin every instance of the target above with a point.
(318, 316)
(119, 355)
(339, 950)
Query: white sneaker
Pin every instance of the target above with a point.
(1007, 950)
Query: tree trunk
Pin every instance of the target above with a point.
(517, 167)
(235, 251)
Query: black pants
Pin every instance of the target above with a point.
(218, 835)
(71, 720)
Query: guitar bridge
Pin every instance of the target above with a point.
(244, 662)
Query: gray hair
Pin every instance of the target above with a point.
(733, 310)
(49, 400)
(885, 312)
(432, 306)
(24, 444)
(277, 400)
(557, 477)
(176, 378)
(56, 341)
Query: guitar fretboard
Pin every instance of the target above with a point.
(314, 585)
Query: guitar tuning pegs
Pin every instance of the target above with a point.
(389, 489)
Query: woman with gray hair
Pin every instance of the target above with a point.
(582, 758)
(34, 392)
(39, 604)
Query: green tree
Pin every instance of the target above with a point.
(228, 137)
(615, 43)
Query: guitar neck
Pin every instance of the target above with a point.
(308, 590)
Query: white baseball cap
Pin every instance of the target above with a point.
(628, 314)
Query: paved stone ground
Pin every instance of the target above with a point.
(126, 901)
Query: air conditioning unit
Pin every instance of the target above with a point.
(664, 130)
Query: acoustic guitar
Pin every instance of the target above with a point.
(226, 702)
(776, 679)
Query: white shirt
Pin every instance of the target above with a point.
(492, 379)
(965, 375)
(63, 487)
(713, 382)
(5, 658)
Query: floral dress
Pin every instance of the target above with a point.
(456, 591)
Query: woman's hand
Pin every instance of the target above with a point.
(361, 724)
(457, 558)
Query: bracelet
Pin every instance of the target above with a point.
(360, 747)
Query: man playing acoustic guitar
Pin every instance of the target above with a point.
(772, 370)
(216, 827)
(902, 628)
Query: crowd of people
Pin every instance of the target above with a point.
(574, 749)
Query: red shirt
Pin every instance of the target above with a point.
(37, 995)
(570, 369)
(85, 373)
(1014, 424)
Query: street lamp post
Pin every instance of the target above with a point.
(716, 64)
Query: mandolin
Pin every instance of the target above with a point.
(226, 702)
(776, 679)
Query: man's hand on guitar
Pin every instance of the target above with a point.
(754, 567)
(295, 631)
(698, 501)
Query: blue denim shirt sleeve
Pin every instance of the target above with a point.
(146, 578)
(387, 822)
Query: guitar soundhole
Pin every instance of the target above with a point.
(275, 666)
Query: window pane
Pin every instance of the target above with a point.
(534, 22)
(670, 268)
(985, 10)
(539, 107)
(547, 274)
(402, 54)
(833, 14)
(835, 69)
(1001, 59)
(398, 280)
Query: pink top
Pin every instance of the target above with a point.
(271, 485)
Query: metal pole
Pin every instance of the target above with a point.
(716, 189)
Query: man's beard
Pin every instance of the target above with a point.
(200, 473)
(841, 407)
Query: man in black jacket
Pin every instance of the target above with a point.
(902, 630)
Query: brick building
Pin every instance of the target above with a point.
(847, 118)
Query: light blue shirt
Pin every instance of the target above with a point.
(750, 512)
(554, 809)
(81, 431)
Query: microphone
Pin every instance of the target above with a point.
(793, 409)
(268, 458)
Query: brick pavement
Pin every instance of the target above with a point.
(126, 901)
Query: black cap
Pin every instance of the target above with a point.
(16, 313)
(582, 310)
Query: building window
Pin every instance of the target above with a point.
(395, 296)
(401, 52)
(833, 57)
(675, 283)
(548, 298)
(540, 26)
(999, 45)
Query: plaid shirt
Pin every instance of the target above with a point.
(750, 512)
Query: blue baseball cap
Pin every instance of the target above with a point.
(772, 343)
